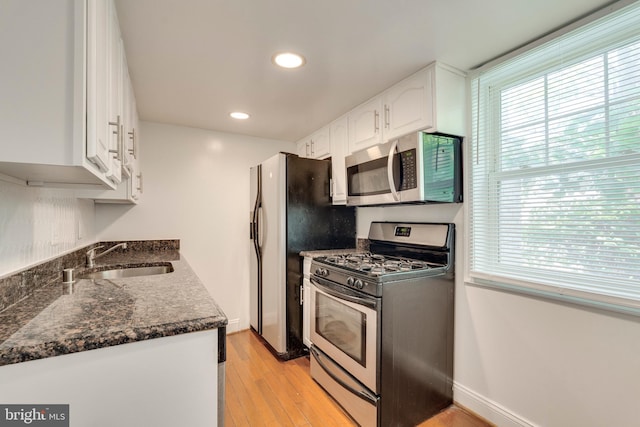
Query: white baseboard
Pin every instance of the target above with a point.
(487, 408)
(233, 326)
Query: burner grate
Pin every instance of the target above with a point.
(376, 264)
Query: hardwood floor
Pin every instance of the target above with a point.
(264, 391)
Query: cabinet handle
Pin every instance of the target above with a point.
(133, 151)
(376, 122)
(312, 150)
(301, 295)
(140, 183)
(306, 145)
(386, 117)
(118, 133)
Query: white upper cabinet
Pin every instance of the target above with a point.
(115, 93)
(364, 125)
(316, 146)
(98, 132)
(339, 144)
(407, 105)
(302, 147)
(122, 123)
(52, 74)
(433, 99)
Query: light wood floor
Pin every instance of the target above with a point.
(264, 391)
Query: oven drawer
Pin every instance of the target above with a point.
(356, 399)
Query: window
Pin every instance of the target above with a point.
(555, 166)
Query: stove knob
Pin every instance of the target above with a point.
(322, 272)
(350, 281)
(359, 284)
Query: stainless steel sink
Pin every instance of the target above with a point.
(118, 273)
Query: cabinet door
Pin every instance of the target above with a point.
(306, 312)
(321, 143)
(98, 132)
(130, 125)
(339, 148)
(306, 301)
(115, 93)
(408, 105)
(303, 147)
(364, 125)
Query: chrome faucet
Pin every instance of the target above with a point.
(91, 254)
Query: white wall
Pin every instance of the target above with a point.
(527, 361)
(196, 189)
(37, 224)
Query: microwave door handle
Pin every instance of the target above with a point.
(392, 184)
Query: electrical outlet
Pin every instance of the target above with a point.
(55, 235)
(79, 229)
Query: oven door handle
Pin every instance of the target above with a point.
(392, 183)
(361, 391)
(327, 288)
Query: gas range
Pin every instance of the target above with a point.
(381, 324)
(397, 252)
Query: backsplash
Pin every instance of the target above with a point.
(17, 286)
(37, 224)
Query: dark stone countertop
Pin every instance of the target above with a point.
(99, 313)
(327, 252)
(362, 245)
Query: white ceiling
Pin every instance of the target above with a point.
(194, 61)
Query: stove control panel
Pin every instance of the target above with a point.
(322, 272)
(356, 283)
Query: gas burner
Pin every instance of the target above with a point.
(376, 264)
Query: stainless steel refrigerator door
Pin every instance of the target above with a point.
(274, 192)
(254, 263)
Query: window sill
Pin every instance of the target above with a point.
(554, 293)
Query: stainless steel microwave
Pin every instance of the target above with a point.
(416, 168)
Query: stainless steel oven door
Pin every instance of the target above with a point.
(344, 326)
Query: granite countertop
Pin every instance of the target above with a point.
(60, 318)
(328, 252)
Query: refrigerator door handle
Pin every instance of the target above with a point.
(257, 246)
(260, 228)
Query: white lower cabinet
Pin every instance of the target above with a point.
(161, 382)
(306, 301)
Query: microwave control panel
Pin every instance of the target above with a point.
(409, 176)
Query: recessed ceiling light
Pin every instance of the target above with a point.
(239, 115)
(288, 60)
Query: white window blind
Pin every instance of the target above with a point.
(555, 166)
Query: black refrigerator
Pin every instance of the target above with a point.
(291, 211)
